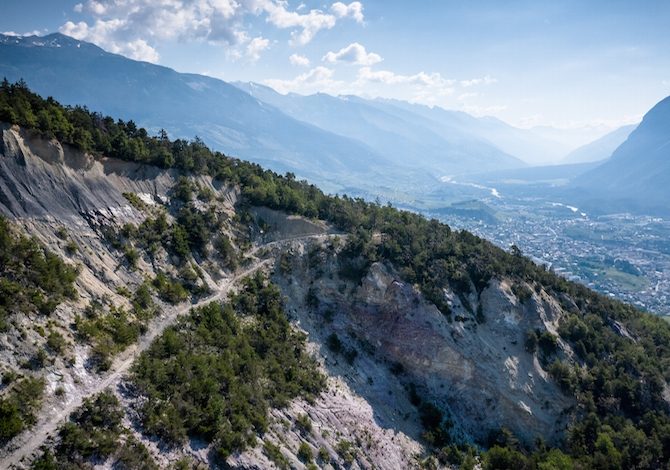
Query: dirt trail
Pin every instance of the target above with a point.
(29, 442)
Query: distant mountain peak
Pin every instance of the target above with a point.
(53, 40)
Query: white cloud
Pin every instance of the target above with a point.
(135, 26)
(487, 80)
(422, 87)
(97, 8)
(318, 79)
(300, 60)
(466, 96)
(354, 53)
(256, 46)
(27, 33)
(366, 74)
(98, 33)
(140, 50)
(533, 120)
(128, 26)
(76, 30)
(104, 33)
(311, 22)
(484, 110)
(353, 10)
(428, 88)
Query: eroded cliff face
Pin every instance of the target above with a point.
(479, 372)
(41, 179)
(476, 370)
(66, 198)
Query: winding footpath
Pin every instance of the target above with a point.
(27, 443)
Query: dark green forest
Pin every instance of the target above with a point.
(623, 419)
(216, 374)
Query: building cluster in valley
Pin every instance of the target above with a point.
(623, 256)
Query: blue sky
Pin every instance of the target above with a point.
(559, 63)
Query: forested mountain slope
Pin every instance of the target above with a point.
(365, 336)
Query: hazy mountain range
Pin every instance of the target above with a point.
(186, 105)
(453, 141)
(338, 142)
(374, 147)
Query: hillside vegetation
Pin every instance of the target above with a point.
(216, 374)
(33, 281)
(619, 375)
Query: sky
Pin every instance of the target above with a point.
(567, 64)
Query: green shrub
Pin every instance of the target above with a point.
(311, 299)
(46, 461)
(183, 189)
(334, 344)
(547, 342)
(522, 292)
(226, 251)
(304, 424)
(135, 201)
(131, 255)
(91, 436)
(436, 427)
(273, 452)
(480, 317)
(32, 279)
(124, 291)
(503, 458)
(18, 407)
(133, 455)
(56, 342)
(71, 247)
(305, 453)
(61, 233)
(108, 333)
(170, 290)
(11, 422)
(346, 450)
(93, 429)
(530, 341)
(324, 455)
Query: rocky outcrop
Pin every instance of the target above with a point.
(479, 371)
(40, 178)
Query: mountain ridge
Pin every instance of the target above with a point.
(600, 149)
(116, 85)
(635, 177)
(400, 136)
